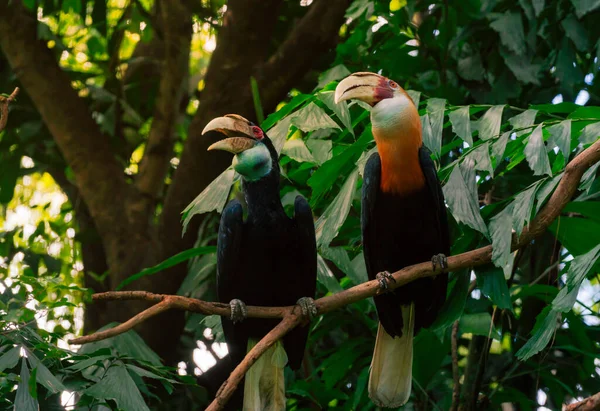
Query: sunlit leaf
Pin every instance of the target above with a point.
(312, 117)
(499, 146)
(525, 119)
(415, 96)
(211, 198)
(24, 401)
(296, 149)
(461, 203)
(545, 190)
(489, 125)
(335, 73)
(560, 135)
(481, 158)
(461, 124)
(535, 152)
(278, 134)
(320, 149)
(522, 208)
(590, 133)
(340, 109)
(275, 117)
(329, 223)
(501, 233)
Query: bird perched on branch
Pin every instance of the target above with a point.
(403, 222)
(268, 259)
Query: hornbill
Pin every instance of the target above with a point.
(403, 222)
(268, 259)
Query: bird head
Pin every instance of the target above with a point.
(368, 87)
(252, 148)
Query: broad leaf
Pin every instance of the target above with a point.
(522, 207)
(590, 209)
(493, 285)
(510, 28)
(328, 225)
(535, 152)
(23, 400)
(576, 32)
(545, 326)
(560, 135)
(279, 133)
(525, 119)
(415, 96)
(455, 302)
(582, 7)
(213, 197)
(578, 271)
(10, 358)
(312, 117)
(590, 133)
(340, 109)
(320, 149)
(428, 357)
(296, 149)
(464, 208)
(340, 258)
(118, 385)
(481, 158)
(489, 125)
(335, 73)
(435, 111)
(461, 124)
(43, 375)
(326, 277)
(427, 131)
(479, 324)
(499, 146)
(501, 233)
(545, 190)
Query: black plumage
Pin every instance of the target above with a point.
(400, 230)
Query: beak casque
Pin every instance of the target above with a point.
(365, 86)
(237, 128)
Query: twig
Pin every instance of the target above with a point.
(455, 374)
(4, 102)
(591, 403)
(561, 196)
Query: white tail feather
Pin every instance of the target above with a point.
(391, 367)
(264, 388)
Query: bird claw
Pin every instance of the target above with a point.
(439, 260)
(238, 310)
(308, 306)
(385, 278)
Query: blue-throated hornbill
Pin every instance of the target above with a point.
(268, 259)
(403, 222)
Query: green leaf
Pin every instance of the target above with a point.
(427, 133)
(522, 207)
(578, 235)
(576, 32)
(312, 117)
(588, 177)
(463, 206)
(428, 357)
(481, 158)
(340, 258)
(297, 150)
(168, 263)
(260, 115)
(582, 7)
(489, 125)
(535, 152)
(455, 302)
(340, 110)
(320, 149)
(461, 124)
(590, 209)
(10, 358)
(524, 70)
(211, 198)
(435, 111)
(510, 28)
(499, 146)
(415, 96)
(284, 111)
(493, 285)
(118, 385)
(361, 384)
(44, 376)
(32, 385)
(538, 6)
(545, 190)
(471, 67)
(279, 133)
(328, 225)
(545, 326)
(562, 108)
(326, 277)
(560, 135)
(525, 119)
(148, 374)
(590, 134)
(335, 73)
(501, 232)
(479, 324)
(23, 400)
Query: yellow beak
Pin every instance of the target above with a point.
(368, 87)
(232, 125)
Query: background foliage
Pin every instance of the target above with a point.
(484, 75)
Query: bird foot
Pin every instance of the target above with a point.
(439, 260)
(308, 306)
(385, 279)
(238, 310)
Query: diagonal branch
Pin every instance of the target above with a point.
(589, 404)
(175, 22)
(87, 151)
(561, 196)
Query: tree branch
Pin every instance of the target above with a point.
(561, 196)
(4, 103)
(455, 373)
(97, 173)
(176, 25)
(589, 404)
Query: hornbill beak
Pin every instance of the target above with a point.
(239, 130)
(368, 87)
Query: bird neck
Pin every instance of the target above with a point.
(262, 196)
(397, 132)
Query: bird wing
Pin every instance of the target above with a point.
(371, 181)
(435, 188)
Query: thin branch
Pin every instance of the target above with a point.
(589, 404)
(4, 103)
(455, 374)
(561, 196)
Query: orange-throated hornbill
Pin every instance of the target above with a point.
(268, 259)
(403, 222)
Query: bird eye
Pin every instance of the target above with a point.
(393, 84)
(258, 133)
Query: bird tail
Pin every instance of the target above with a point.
(391, 367)
(264, 388)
